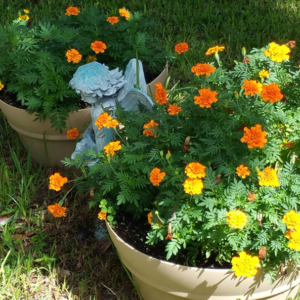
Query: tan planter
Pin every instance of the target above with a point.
(36, 135)
(160, 78)
(161, 280)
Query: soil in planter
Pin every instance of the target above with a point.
(134, 233)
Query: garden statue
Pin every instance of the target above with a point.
(104, 89)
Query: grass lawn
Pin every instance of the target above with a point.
(46, 258)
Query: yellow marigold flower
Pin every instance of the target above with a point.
(236, 219)
(26, 11)
(72, 10)
(57, 211)
(105, 120)
(102, 215)
(72, 133)
(56, 181)
(150, 128)
(254, 137)
(245, 264)
(23, 18)
(73, 56)
(206, 98)
(91, 58)
(242, 171)
(291, 219)
(110, 148)
(193, 186)
(124, 13)
(252, 87)
(277, 52)
(195, 170)
(156, 176)
(98, 46)
(160, 94)
(294, 240)
(181, 47)
(264, 73)
(269, 178)
(1, 85)
(150, 216)
(112, 20)
(174, 109)
(203, 69)
(271, 92)
(215, 49)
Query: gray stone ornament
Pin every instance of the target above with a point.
(103, 89)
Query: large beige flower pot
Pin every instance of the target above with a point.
(160, 78)
(161, 280)
(47, 146)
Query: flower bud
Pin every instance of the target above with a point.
(262, 252)
(244, 51)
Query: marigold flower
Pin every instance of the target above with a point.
(111, 147)
(156, 176)
(112, 20)
(215, 49)
(236, 219)
(264, 73)
(252, 87)
(278, 52)
(26, 11)
(160, 94)
(72, 10)
(73, 56)
(1, 85)
(206, 98)
(72, 133)
(291, 219)
(288, 234)
(102, 215)
(254, 137)
(174, 109)
(269, 178)
(294, 240)
(105, 120)
(56, 181)
(203, 69)
(271, 92)
(98, 46)
(150, 216)
(23, 18)
(289, 144)
(242, 171)
(150, 128)
(124, 13)
(181, 47)
(57, 211)
(245, 264)
(195, 170)
(91, 58)
(193, 186)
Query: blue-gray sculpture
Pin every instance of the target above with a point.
(103, 89)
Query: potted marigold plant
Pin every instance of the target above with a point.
(214, 169)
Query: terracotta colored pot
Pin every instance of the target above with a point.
(161, 280)
(47, 146)
(160, 78)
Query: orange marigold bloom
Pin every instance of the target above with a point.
(254, 137)
(112, 20)
(57, 211)
(72, 133)
(98, 46)
(269, 178)
(56, 181)
(264, 73)
(245, 264)
(111, 147)
(160, 94)
(289, 144)
(102, 215)
(73, 56)
(203, 69)
(195, 170)
(206, 98)
(72, 10)
(124, 13)
(174, 109)
(271, 92)
(156, 176)
(105, 120)
(278, 52)
(181, 47)
(242, 171)
(150, 128)
(215, 49)
(150, 216)
(193, 186)
(252, 87)
(23, 18)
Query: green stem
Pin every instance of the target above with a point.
(115, 130)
